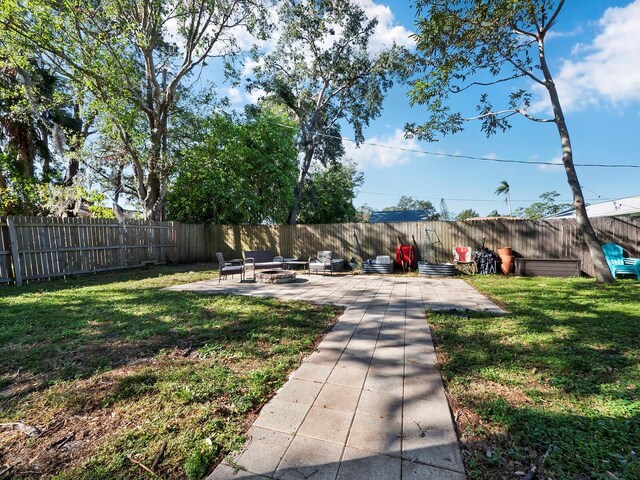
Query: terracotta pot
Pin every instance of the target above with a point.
(504, 251)
(506, 263)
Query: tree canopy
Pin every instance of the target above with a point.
(238, 171)
(545, 207)
(410, 203)
(323, 71)
(466, 214)
(465, 46)
(328, 197)
(122, 58)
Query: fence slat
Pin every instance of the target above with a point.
(15, 255)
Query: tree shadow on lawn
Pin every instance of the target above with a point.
(582, 360)
(578, 446)
(62, 336)
(561, 370)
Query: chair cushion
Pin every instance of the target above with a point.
(230, 268)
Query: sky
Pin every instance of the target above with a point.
(594, 56)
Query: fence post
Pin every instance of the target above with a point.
(15, 253)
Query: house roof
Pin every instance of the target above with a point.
(398, 216)
(610, 208)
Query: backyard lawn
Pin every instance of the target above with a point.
(559, 375)
(119, 376)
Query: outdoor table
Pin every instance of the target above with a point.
(289, 263)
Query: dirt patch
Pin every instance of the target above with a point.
(73, 420)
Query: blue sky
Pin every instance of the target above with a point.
(594, 54)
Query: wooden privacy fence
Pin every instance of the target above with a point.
(434, 240)
(34, 248)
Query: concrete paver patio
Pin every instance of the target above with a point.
(370, 402)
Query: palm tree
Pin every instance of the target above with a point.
(503, 189)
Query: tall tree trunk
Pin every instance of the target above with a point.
(75, 144)
(603, 274)
(154, 202)
(297, 192)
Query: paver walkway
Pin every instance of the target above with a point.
(369, 403)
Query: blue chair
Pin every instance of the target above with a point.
(618, 264)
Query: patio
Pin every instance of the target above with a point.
(370, 402)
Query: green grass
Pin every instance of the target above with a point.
(559, 373)
(121, 366)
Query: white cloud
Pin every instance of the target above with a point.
(557, 165)
(387, 30)
(239, 97)
(235, 95)
(609, 68)
(566, 34)
(372, 155)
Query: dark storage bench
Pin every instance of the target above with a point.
(547, 267)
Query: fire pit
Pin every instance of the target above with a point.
(276, 276)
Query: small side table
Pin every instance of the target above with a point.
(300, 263)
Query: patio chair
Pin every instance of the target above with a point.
(229, 268)
(324, 262)
(463, 259)
(618, 264)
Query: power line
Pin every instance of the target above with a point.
(470, 157)
(418, 197)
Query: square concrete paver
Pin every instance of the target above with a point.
(338, 397)
(326, 424)
(417, 471)
(308, 458)
(359, 464)
(429, 436)
(282, 416)
(369, 403)
(227, 472)
(313, 372)
(297, 390)
(376, 434)
(381, 404)
(262, 453)
(348, 374)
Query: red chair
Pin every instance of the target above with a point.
(463, 259)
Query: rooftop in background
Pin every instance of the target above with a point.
(611, 208)
(387, 216)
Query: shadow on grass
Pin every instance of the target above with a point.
(72, 331)
(560, 370)
(577, 447)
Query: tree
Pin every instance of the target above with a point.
(547, 206)
(120, 54)
(323, 71)
(494, 213)
(465, 214)
(328, 197)
(238, 171)
(505, 189)
(410, 203)
(363, 213)
(40, 129)
(444, 214)
(462, 45)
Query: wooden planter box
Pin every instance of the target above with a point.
(547, 267)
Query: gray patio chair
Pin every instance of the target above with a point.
(229, 268)
(324, 262)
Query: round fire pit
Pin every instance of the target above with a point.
(276, 276)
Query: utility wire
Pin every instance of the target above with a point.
(418, 197)
(469, 157)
